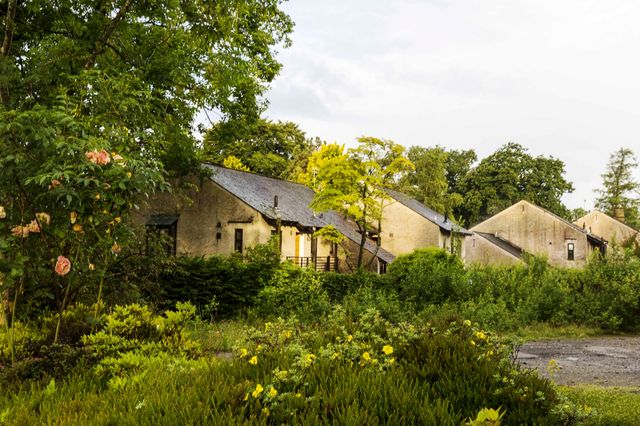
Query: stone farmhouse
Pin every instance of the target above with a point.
(407, 225)
(613, 230)
(525, 227)
(233, 210)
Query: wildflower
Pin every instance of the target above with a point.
(273, 392)
(391, 361)
(298, 395)
(473, 343)
(467, 323)
(92, 267)
(33, 226)
(115, 248)
(97, 197)
(310, 358)
(43, 218)
(54, 183)
(366, 356)
(259, 348)
(3, 212)
(349, 338)
(77, 228)
(480, 335)
(335, 355)
(253, 360)
(246, 396)
(117, 219)
(129, 175)
(63, 266)
(73, 217)
(388, 350)
(257, 391)
(20, 231)
(243, 352)
(265, 411)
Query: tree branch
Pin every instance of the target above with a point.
(104, 38)
(8, 28)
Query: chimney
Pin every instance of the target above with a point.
(618, 213)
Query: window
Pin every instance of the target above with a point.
(570, 251)
(237, 242)
(165, 228)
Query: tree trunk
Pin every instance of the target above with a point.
(104, 38)
(9, 25)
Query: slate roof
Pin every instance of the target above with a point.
(426, 212)
(503, 244)
(293, 203)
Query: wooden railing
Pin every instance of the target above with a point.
(323, 264)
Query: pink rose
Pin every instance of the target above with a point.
(20, 231)
(98, 157)
(33, 226)
(63, 266)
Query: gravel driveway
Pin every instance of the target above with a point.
(604, 361)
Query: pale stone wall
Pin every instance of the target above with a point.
(603, 225)
(404, 231)
(480, 251)
(200, 212)
(538, 232)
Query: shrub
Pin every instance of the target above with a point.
(428, 276)
(293, 292)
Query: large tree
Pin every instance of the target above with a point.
(619, 194)
(142, 65)
(353, 182)
(274, 149)
(509, 175)
(97, 102)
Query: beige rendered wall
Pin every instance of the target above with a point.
(603, 225)
(538, 232)
(210, 205)
(404, 230)
(479, 251)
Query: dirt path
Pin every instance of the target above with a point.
(604, 361)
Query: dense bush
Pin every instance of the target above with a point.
(343, 370)
(428, 276)
(218, 286)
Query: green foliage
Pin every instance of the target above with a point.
(293, 291)
(508, 176)
(619, 193)
(345, 370)
(353, 183)
(428, 276)
(234, 281)
(276, 149)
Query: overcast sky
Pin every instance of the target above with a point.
(562, 78)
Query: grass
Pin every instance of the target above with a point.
(548, 332)
(220, 336)
(613, 406)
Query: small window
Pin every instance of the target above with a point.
(165, 227)
(570, 251)
(237, 245)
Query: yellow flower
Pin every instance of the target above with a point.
(259, 348)
(265, 411)
(388, 350)
(473, 343)
(129, 175)
(73, 217)
(257, 391)
(253, 360)
(467, 323)
(310, 358)
(246, 396)
(92, 267)
(273, 392)
(43, 217)
(118, 219)
(243, 352)
(97, 197)
(3, 212)
(391, 360)
(298, 395)
(366, 356)
(480, 335)
(335, 355)
(349, 338)
(77, 228)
